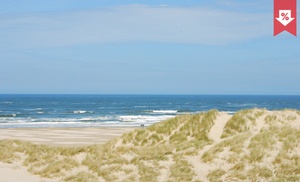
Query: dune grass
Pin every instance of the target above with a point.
(236, 124)
(261, 143)
(271, 154)
(81, 176)
(270, 119)
(235, 145)
(242, 121)
(216, 175)
(181, 169)
(287, 162)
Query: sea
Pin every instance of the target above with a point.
(61, 111)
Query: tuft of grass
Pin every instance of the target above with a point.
(208, 120)
(127, 137)
(155, 138)
(141, 134)
(237, 176)
(240, 166)
(153, 153)
(168, 126)
(181, 169)
(197, 127)
(236, 124)
(9, 150)
(261, 143)
(51, 161)
(147, 173)
(256, 155)
(178, 137)
(233, 159)
(259, 112)
(210, 155)
(215, 175)
(289, 136)
(82, 176)
(270, 119)
(259, 172)
(291, 118)
(58, 168)
(241, 121)
(287, 162)
(235, 145)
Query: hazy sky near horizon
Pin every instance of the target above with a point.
(145, 47)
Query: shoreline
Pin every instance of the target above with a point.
(66, 125)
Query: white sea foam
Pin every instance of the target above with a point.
(35, 109)
(230, 112)
(140, 118)
(110, 121)
(124, 121)
(100, 118)
(86, 119)
(165, 111)
(7, 102)
(81, 112)
(10, 120)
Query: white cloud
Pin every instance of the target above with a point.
(133, 23)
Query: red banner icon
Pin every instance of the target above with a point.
(285, 16)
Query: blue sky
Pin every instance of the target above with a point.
(145, 47)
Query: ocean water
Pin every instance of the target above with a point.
(19, 111)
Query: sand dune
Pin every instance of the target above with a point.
(251, 145)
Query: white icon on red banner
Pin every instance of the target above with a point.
(285, 17)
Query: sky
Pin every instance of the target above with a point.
(145, 47)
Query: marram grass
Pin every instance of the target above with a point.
(255, 145)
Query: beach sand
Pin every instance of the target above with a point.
(67, 137)
(13, 172)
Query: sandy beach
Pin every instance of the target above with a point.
(66, 137)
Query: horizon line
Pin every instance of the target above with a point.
(150, 94)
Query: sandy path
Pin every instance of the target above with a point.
(201, 168)
(12, 173)
(217, 129)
